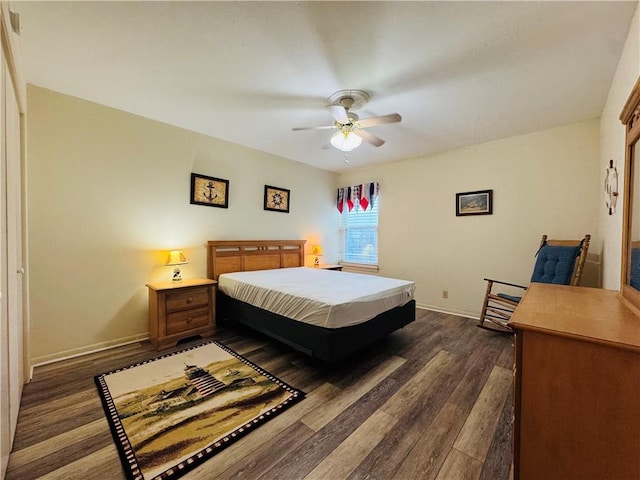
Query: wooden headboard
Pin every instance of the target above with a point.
(226, 256)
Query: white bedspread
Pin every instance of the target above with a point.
(319, 297)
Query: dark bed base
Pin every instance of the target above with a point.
(326, 344)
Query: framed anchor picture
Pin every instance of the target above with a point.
(209, 191)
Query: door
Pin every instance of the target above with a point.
(12, 331)
(14, 249)
(6, 428)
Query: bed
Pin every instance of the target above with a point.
(325, 314)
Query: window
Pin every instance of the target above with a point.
(359, 235)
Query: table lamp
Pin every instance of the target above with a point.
(317, 251)
(176, 257)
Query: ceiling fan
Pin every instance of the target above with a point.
(351, 127)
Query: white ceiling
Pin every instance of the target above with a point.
(459, 73)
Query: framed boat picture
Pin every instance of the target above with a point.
(474, 203)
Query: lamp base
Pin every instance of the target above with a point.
(177, 276)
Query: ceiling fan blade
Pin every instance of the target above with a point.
(371, 121)
(369, 138)
(321, 127)
(340, 114)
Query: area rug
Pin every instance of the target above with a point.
(173, 412)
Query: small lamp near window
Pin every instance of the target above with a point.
(317, 251)
(176, 257)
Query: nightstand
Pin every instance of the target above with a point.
(330, 267)
(178, 310)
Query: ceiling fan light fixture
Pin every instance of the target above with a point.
(351, 131)
(345, 140)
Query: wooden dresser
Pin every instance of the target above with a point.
(178, 310)
(577, 385)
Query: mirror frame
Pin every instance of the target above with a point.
(630, 117)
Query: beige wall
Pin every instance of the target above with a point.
(544, 182)
(612, 147)
(108, 195)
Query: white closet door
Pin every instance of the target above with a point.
(11, 273)
(14, 250)
(12, 330)
(6, 426)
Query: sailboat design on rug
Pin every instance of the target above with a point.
(171, 413)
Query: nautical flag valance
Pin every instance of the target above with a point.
(364, 195)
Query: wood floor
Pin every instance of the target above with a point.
(432, 401)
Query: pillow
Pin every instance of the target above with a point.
(555, 264)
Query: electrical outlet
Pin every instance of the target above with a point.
(445, 293)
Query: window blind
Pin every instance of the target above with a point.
(359, 235)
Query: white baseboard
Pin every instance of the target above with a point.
(459, 313)
(98, 347)
(77, 352)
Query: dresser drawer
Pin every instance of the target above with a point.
(194, 297)
(187, 319)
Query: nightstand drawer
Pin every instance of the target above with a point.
(193, 297)
(187, 319)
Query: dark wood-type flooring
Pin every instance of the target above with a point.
(432, 401)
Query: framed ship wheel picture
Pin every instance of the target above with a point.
(276, 199)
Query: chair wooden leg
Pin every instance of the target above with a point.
(496, 327)
(494, 317)
(483, 313)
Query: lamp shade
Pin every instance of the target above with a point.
(316, 250)
(345, 140)
(176, 257)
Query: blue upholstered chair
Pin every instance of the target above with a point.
(634, 277)
(557, 261)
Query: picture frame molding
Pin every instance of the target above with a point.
(194, 198)
(268, 205)
(488, 196)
